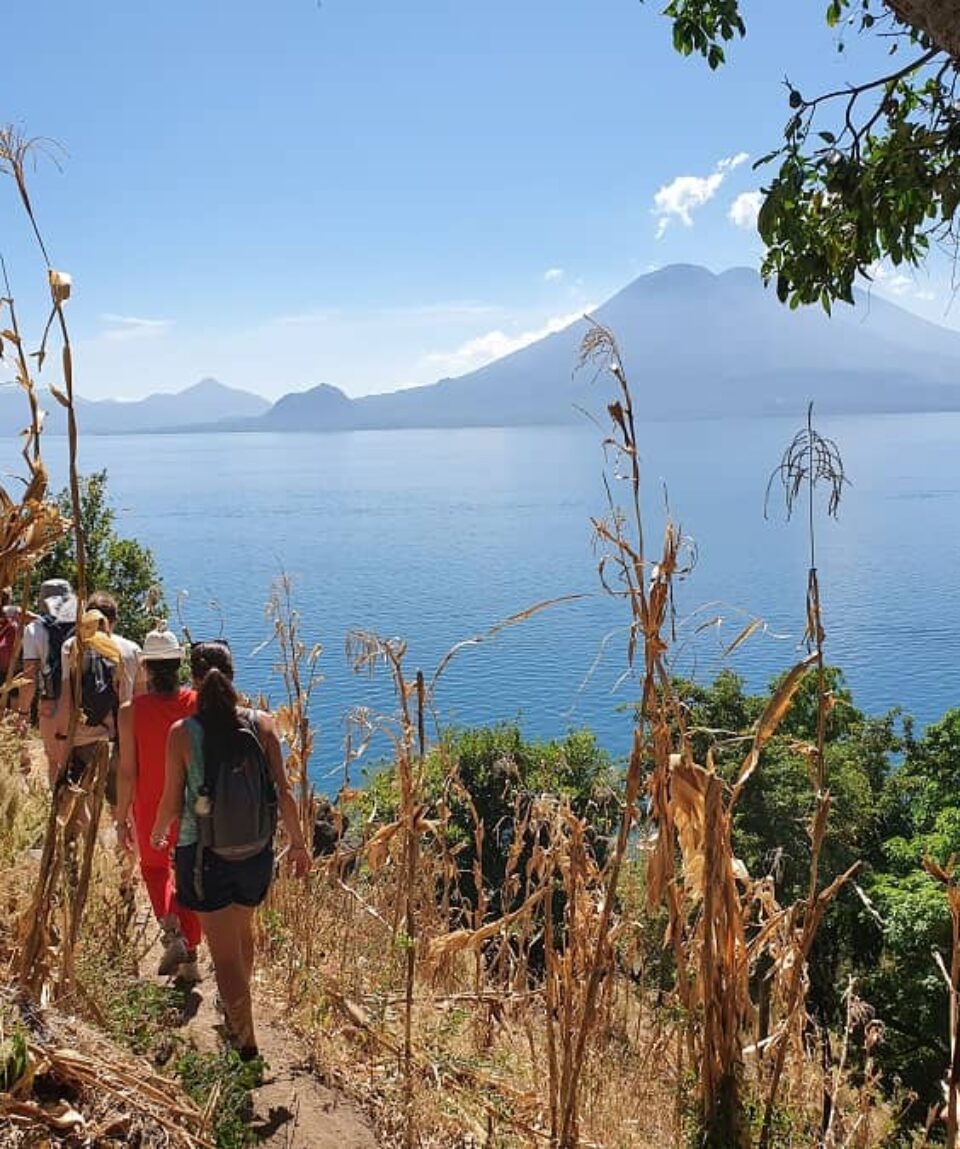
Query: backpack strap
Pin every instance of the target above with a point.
(248, 718)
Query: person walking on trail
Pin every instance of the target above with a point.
(109, 676)
(144, 723)
(11, 630)
(43, 639)
(225, 781)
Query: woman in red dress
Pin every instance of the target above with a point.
(144, 723)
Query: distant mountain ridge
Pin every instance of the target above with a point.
(695, 345)
(205, 402)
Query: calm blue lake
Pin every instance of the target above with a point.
(438, 535)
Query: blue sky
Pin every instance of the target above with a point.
(374, 194)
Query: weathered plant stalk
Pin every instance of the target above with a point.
(810, 458)
(298, 668)
(31, 966)
(947, 876)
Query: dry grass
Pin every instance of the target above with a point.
(537, 1026)
(544, 1016)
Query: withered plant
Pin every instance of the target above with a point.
(810, 460)
(75, 810)
(30, 523)
(692, 868)
(408, 737)
(300, 673)
(946, 875)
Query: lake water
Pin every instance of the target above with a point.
(437, 535)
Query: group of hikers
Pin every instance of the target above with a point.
(195, 782)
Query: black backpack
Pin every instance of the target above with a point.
(98, 689)
(242, 797)
(51, 674)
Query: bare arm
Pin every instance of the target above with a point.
(64, 704)
(270, 740)
(171, 804)
(126, 774)
(31, 671)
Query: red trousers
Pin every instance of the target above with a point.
(157, 870)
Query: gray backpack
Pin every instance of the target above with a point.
(242, 799)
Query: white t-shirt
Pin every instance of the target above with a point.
(127, 672)
(36, 645)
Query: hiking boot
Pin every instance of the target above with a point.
(174, 953)
(189, 971)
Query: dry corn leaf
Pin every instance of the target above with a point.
(378, 848)
(771, 718)
(688, 787)
(750, 629)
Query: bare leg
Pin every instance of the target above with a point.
(229, 934)
(244, 919)
(52, 745)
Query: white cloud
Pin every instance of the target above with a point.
(122, 328)
(683, 195)
(483, 349)
(553, 274)
(744, 209)
(896, 283)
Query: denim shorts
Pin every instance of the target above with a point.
(224, 883)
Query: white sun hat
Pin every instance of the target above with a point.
(161, 646)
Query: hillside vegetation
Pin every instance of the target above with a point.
(747, 936)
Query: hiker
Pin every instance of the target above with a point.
(330, 840)
(43, 639)
(110, 676)
(225, 781)
(144, 723)
(10, 630)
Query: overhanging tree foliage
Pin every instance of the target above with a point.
(866, 172)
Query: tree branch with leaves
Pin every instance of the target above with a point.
(867, 172)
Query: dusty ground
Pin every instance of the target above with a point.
(293, 1109)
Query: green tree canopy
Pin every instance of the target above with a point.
(123, 567)
(869, 171)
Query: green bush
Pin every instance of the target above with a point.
(492, 775)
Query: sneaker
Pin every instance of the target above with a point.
(174, 953)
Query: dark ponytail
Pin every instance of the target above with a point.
(217, 700)
(211, 665)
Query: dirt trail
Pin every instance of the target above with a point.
(292, 1109)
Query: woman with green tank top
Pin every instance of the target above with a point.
(223, 891)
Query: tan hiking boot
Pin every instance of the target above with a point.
(189, 971)
(174, 953)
